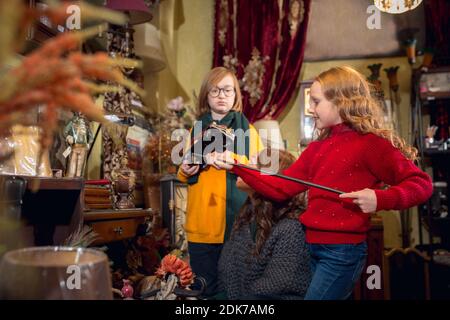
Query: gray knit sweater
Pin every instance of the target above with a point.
(281, 271)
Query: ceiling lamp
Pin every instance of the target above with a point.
(137, 10)
(396, 6)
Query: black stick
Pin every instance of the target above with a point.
(93, 142)
(310, 184)
(314, 185)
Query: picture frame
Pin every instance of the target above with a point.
(435, 83)
(306, 119)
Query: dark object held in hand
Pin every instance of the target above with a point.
(213, 138)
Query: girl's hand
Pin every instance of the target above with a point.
(366, 199)
(189, 169)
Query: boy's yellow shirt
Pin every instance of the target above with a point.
(206, 204)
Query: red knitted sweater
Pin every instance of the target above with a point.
(347, 161)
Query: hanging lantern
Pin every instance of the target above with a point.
(396, 6)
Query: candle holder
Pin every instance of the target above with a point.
(374, 79)
(391, 73)
(410, 46)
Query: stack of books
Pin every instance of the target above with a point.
(97, 195)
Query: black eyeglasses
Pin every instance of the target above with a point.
(227, 91)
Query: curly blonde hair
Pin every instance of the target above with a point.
(349, 91)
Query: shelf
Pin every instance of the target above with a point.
(441, 226)
(434, 74)
(116, 214)
(49, 183)
(437, 79)
(430, 96)
(435, 152)
(436, 219)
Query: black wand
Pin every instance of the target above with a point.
(314, 185)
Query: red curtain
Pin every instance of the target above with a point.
(263, 41)
(438, 29)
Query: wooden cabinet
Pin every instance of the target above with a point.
(57, 202)
(114, 225)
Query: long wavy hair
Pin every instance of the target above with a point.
(349, 91)
(264, 212)
(212, 78)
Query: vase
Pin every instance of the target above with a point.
(55, 273)
(122, 189)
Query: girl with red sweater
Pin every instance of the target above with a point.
(353, 153)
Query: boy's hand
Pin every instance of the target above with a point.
(222, 160)
(189, 169)
(366, 199)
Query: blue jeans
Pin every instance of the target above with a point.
(336, 268)
(203, 258)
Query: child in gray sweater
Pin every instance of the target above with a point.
(266, 256)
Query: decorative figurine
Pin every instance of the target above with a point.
(124, 183)
(429, 139)
(79, 137)
(127, 289)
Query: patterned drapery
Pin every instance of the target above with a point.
(263, 41)
(438, 30)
